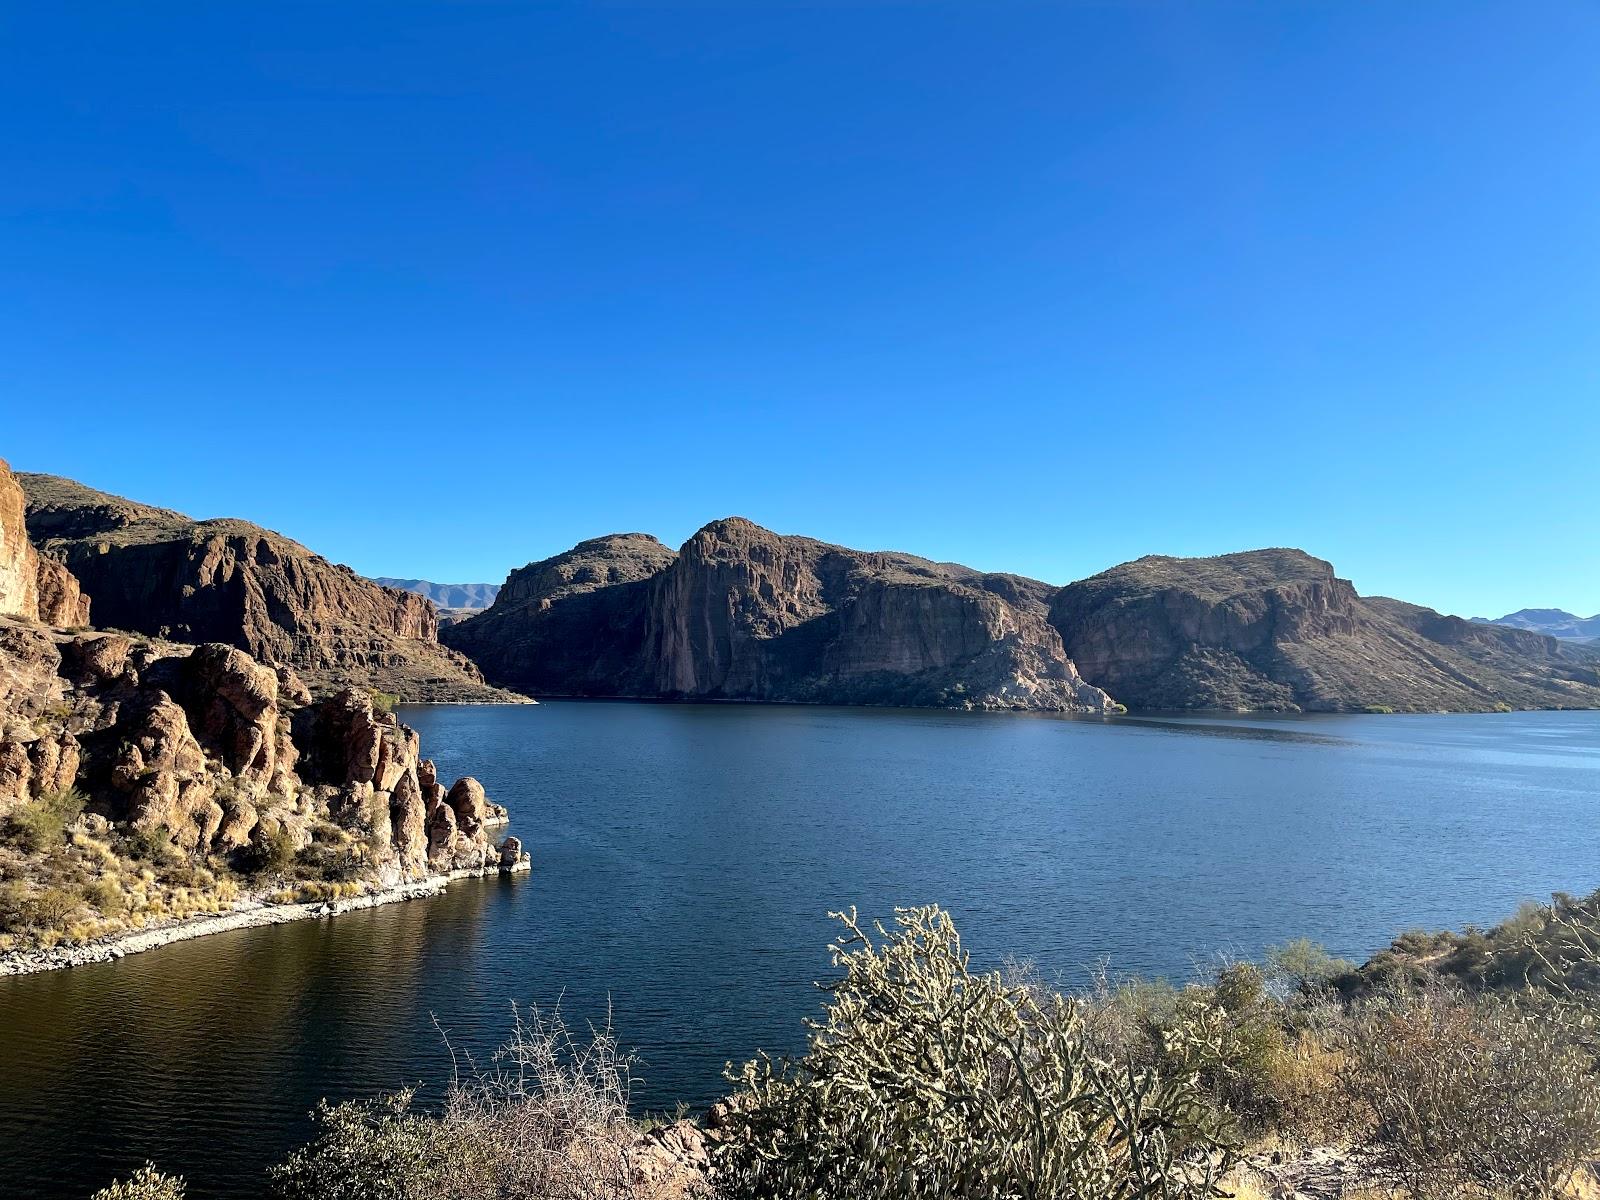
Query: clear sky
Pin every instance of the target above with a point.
(438, 290)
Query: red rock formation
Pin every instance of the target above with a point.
(158, 572)
(32, 585)
(743, 613)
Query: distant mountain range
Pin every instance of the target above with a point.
(1552, 622)
(742, 613)
(445, 595)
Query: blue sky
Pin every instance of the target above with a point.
(441, 289)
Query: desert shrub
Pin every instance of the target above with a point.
(338, 864)
(1123, 1018)
(1304, 969)
(16, 908)
(1240, 1063)
(926, 1080)
(1551, 947)
(1311, 1103)
(1240, 1059)
(1472, 1096)
(181, 872)
(148, 843)
(547, 1120)
(269, 852)
(146, 1183)
(41, 824)
(383, 702)
(107, 896)
(54, 907)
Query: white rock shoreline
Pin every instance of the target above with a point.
(247, 914)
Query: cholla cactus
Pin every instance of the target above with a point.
(928, 1081)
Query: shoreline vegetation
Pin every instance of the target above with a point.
(1450, 1066)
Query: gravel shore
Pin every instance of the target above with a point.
(248, 914)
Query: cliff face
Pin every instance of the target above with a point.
(1277, 630)
(742, 613)
(32, 585)
(571, 625)
(746, 614)
(156, 571)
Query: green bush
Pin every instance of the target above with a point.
(107, 897)
(1238, 1060)
(148, 843)
(41, 824)
(54, 907)
(383, 702)
(16, 907)
(146, 1183)
(269, 853)
(1304, 969)
(927, 1081)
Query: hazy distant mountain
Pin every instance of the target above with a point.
(1552, 622)
(446, 595)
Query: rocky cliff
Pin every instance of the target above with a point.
(1277, 630)
(742, 613)
(32, 585)
(158, 572)
(141, 777)
(205, 756)
(571, 625)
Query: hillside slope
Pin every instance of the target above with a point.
(156, 571)
(1277, 630)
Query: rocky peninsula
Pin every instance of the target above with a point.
(146, 782)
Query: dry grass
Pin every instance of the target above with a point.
(546, 1119)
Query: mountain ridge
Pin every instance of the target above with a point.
(1556, 622)
(741, 612)
(159, 572)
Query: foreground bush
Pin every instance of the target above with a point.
(1472, 1096)
(549, 1121)
(146, 1183)
(928, 1081)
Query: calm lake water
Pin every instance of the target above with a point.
(685, 856)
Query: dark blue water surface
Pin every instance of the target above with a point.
(685, 856)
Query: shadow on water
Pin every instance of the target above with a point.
(1243, 730)
(207, 1056)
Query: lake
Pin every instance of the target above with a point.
(685, 857)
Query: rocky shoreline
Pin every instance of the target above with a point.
(247, 914)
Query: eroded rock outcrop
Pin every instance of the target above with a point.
(744, 613)
(159, 572)
(32, 585)
(216, 753)
(1278, 630)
